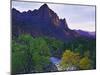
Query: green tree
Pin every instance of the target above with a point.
(38, 50)
(18, 58)
(29, 54)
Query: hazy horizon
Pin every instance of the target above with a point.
(78, 17)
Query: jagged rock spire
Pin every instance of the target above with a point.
(44, 7)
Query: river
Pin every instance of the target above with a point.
(56, 61)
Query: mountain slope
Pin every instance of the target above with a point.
(42, 22)
(86, 34)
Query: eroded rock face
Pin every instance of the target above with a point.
(39, 22)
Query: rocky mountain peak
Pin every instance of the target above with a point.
(48, 15)
(44, 8)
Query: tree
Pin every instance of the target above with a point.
(40, 46)
(18, 58)
(70, 59)
(85, 63)
(40, 54)
(29, 54)
(54, 43)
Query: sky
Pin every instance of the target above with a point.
(77, 16)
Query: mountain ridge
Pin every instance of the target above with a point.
(42, 21)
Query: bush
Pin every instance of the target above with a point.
(70, 59)
(85, 63)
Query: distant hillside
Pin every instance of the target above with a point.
(86, 33)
